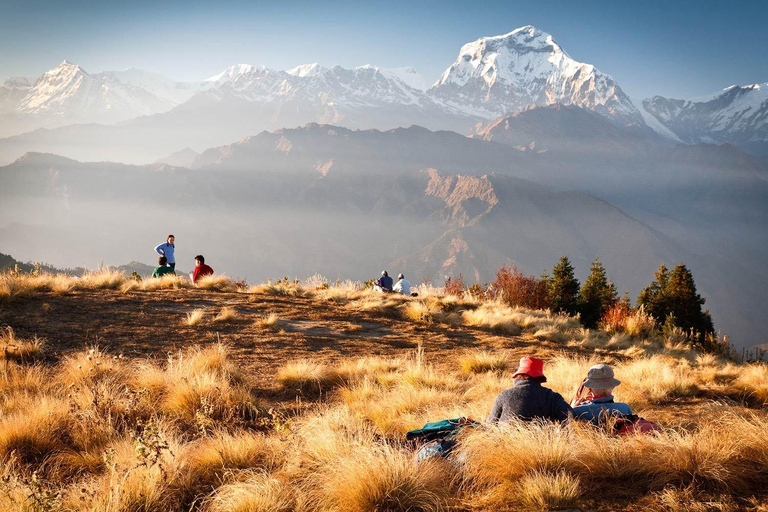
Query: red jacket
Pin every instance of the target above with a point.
(200, 271)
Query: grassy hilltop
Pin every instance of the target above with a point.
(126, 395)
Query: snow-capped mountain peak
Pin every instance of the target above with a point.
(306, 70)
(233, 72)
(524, 68)
(737, 114)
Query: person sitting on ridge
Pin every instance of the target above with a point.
(201, 269)
(384, 283)
(594, 398)
(528, 400)
(163, 268)
(402, 285)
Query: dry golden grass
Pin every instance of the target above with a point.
(480, 362)
(267, 321)
(421, 311)
(379, 477)
(753, 379)
(258, 493)
(227, 314)
(34, 432)
(493, 317)
(216, 283)
(19, 349)
(280, 287)
(89, 366)
(103, 279)
(194, 317)
(306, 376)
(548, 491)
(198, 388)
(388, 304)
(188, 433)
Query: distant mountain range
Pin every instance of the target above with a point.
(138, 117)
(517, 154)
(348, 203)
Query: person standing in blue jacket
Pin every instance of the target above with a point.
(168, 249)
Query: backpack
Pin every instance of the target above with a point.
(634, 424)
(435, 439)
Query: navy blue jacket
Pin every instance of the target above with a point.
(529, 400)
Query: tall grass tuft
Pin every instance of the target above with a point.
(194, 317)
(19, 349)
(307, 377)
(480, 362)
(259, 492)
(227, 314)
(216, 283)
(548, 491)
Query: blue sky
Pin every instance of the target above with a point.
(678, 49)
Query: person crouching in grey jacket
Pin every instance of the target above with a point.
(528, 400)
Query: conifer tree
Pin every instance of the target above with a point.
(653, 298)
(564, 288)
(673, 300)
(597, 295)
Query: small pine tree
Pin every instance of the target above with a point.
(564, 288)
(598, 295)
(672, 298)
(653, 298)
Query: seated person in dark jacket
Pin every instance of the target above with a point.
(384, 283)
(528, 399)
(594, 398)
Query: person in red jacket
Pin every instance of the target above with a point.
(201, 269)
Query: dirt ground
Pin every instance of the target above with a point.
(152, 324)
(141, 324)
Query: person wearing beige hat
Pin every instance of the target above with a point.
(594, 398)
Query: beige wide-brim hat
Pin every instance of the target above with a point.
(600, 376)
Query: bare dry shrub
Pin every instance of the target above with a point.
(519, 290)
(140, 472)
(621, 318)
(90, 366)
